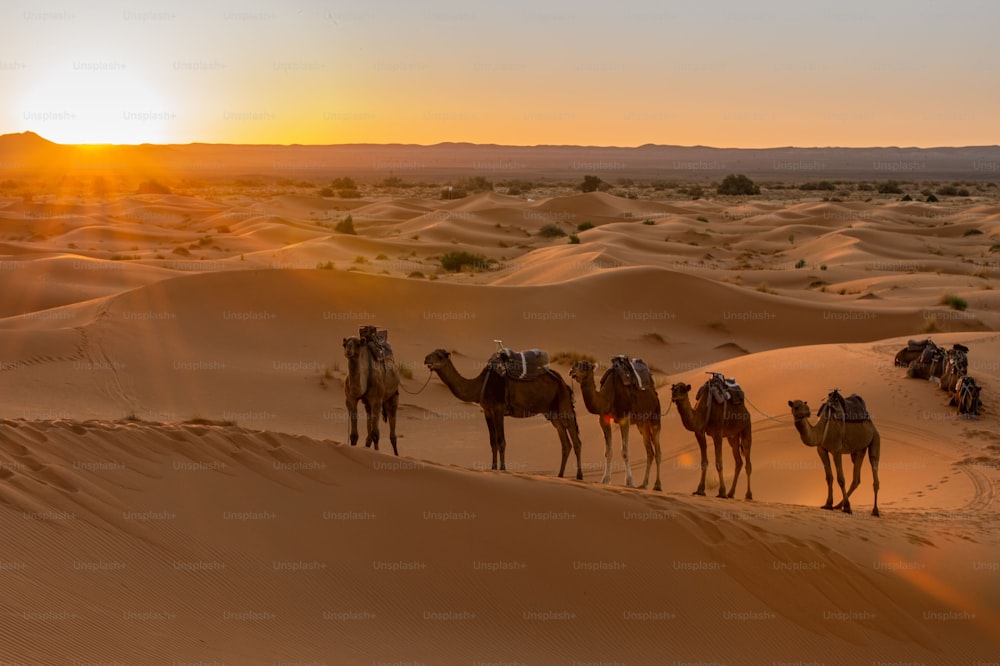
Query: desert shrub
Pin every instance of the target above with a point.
(649, 222)
(349, 194)
(952, 191)
(889, 187)
(954, 302)
(820, 185)
(702, 218)
(865, 187)
(695, 192)
(574, 239)
(592, 184)
(800, 263)
(931, 198)
(551, 231)
(344, 183)
(907, 198)
(972, 232)
(346, 226)
(457, 260)
(327, 192)
(583, 226)
(737, 184)
(328, 266)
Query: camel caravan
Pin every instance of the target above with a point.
(923, 359)
(520, 384)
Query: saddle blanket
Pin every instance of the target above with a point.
(729, 390)
(851, 409)
(520, 365)
(631, 372)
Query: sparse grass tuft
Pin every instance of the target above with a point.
(764, 288)
(954, 302)
(571, 357)
(551, 231)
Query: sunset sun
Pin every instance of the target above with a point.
(100, 102)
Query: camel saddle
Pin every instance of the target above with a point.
(377, 340)
(960, 347)
(917, 345)
(519, 365)
(631, 372)
(930, 354)
(851, 409)
(722, 389)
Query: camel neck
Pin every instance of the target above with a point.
(596, 402)
(690, 419)
(467, 390)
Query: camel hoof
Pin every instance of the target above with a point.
(828, 507)
(724, 496)
(875, 512)
(657, 488)
(699, 492)
(606, 480)
(749, 496)
(579, 476)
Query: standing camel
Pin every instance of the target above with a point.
(548, 394)
(617, 403)
(726, 420)
(838, 436)
(375, 382)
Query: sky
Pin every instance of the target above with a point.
(723, 73)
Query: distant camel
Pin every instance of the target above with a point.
(548, 394)
(966, 397)
(912, 351)
(930, 364)
(617, 403)
(376, 384)
(718, 420)
(956, 365)
(838, 436)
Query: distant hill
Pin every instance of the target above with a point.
(28, 151)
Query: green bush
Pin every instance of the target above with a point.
(457, 260)
(800, 263)
(954, 302)
(551, 231)
(737, 184)
(346, 226)
(592, 184)
(574, 239)
(889, 187)
(583, 226)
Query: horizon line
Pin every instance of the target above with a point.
(499, 145)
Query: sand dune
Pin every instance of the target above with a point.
(176, 487)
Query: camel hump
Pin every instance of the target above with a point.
(723, 389)
(377, 340)
(631, 372)
(851, 409)
(520, 365)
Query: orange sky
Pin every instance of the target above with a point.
(710, 72)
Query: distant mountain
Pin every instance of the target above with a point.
(28, 151)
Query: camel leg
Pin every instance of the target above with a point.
(717, 440)
(608, 455)
(373, 411)
(857, 460)
(746, 440)
(352, 417)
(573, 431)
(625, 426)
(491, 427)
(647, 444)
(389, 408)
(874, 452)
(652, 441)
(567, 446)
(844, 504)
(734, 443)
(501, 439)
(824, 455)
(700, 436)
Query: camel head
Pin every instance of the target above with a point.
(800, 409)
(582, 370)
(352, 347)
(437, 359)
(679, 392)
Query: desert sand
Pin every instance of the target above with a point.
(176, 486)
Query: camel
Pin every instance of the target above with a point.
(548, 395)
(956, 365)
(966, 397)
(930, 364)
(617, 403)
(912, 351)
(733, 423)
(376, 384)
(837, 437)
